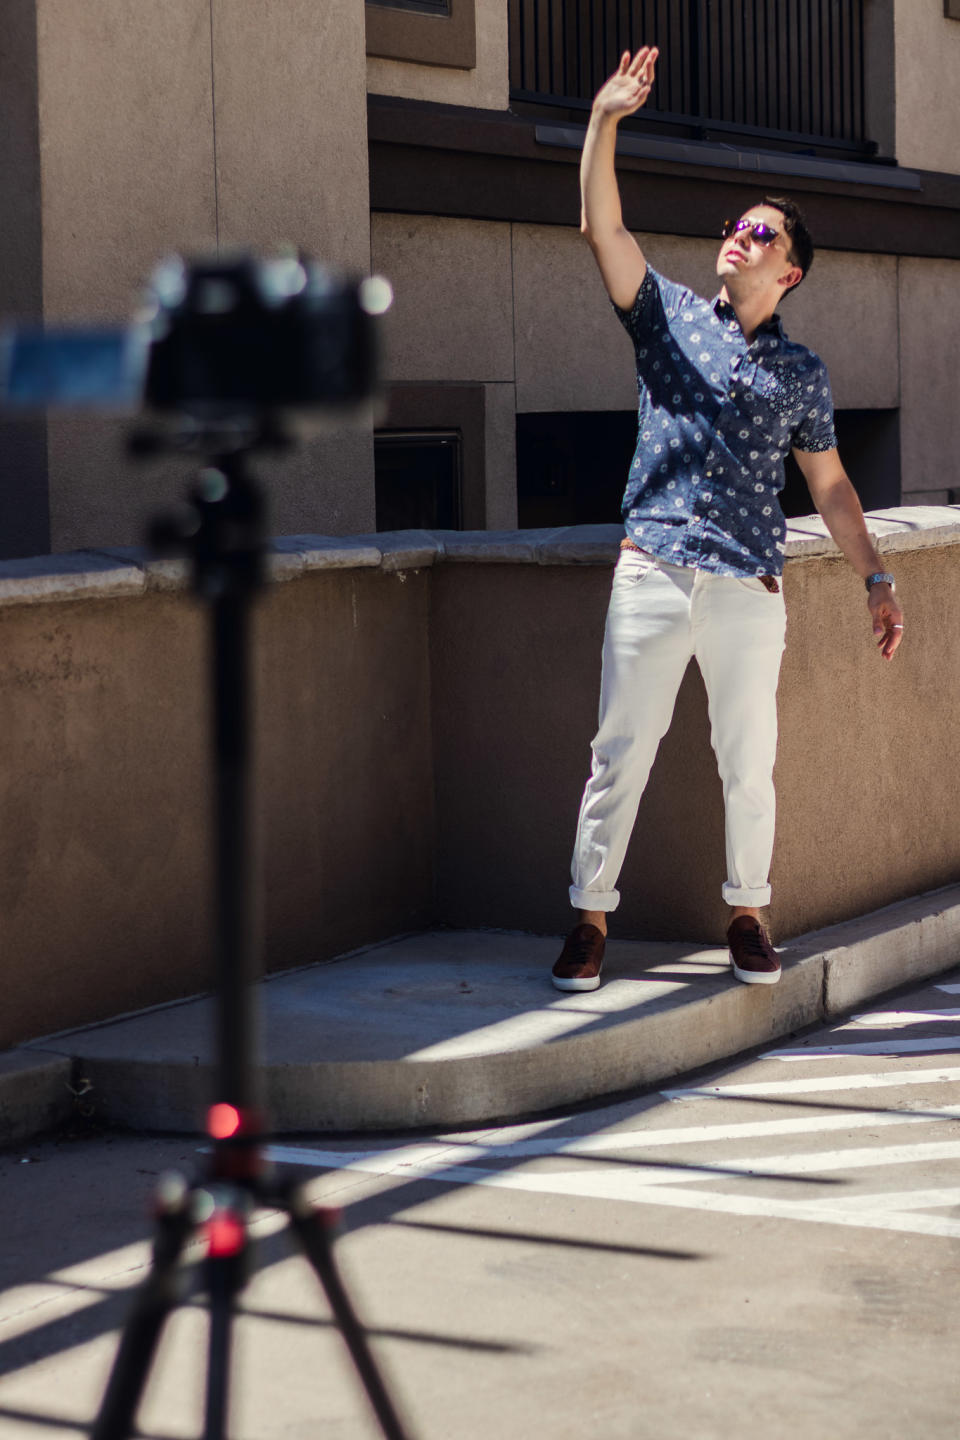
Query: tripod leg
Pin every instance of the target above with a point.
(223, 1288)
(155, 1299)
(314, 1230)
(226, 1273)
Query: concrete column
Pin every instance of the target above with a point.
(24, 520)
(137, 130)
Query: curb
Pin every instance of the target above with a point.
(430, 1056)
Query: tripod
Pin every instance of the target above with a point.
(225, 540)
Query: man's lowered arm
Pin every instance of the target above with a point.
(838, 504)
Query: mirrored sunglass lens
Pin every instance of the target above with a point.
(764, 233)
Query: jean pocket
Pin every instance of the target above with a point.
(759, 584)
(633, 567)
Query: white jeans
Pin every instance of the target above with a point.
(659, 616)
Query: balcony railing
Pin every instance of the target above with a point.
(774, 68)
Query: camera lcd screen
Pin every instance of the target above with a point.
(102, 368)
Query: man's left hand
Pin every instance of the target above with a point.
(887, 619)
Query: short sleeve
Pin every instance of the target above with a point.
(657, 299)
(815, 431)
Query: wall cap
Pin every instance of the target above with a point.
(125, 570)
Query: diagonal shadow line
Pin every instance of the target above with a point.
(790, 1102)
(528, 1238)
(483, 1167)
(381, 1332)
(29, 1417)
(201, 1301)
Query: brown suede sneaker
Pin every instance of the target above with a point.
(580, 959)
(754, 959)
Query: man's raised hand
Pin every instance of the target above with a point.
(630, 84)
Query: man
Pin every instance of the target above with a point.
(723, 394)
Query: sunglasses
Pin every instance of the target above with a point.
(763, 234)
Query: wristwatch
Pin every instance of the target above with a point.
(880, 577)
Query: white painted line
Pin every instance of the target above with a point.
(759, 1089)
(902, 1017)
(901, 1200)
(620, 1141)
(814, 1162)
(633, 1187)
(949, 989)
(867, 1047)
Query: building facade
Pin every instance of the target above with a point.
(437, 141)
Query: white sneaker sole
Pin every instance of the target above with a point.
(754, 977)
(591, 983)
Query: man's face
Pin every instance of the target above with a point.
(745, 264)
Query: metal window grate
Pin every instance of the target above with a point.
(418, 479)
(778, 67)
(417, 7)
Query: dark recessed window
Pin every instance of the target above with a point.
(420, 7)
(869, 446)
(572, 467)
(418, 479)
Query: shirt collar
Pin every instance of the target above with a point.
(774, 326)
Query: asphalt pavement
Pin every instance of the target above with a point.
(767, 1249)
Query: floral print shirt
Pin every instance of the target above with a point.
(717, 417)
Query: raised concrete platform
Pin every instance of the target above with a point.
(459, 1028)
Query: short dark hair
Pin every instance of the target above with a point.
(801, 243)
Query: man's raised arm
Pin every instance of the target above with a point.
(616, 252)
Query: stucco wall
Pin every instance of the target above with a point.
(486, 87)
(104, 822)
(479, 300)
(927, 50)
(425, 707)
(862, 817)
(188, 126)
(930, 422)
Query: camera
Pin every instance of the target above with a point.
(214, 344)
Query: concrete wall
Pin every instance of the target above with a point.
(425, 707)
(189, 126)
(522, 308)
(927, 58)
(861, 818)
(104, 817)
(485, 87)
(930, 420)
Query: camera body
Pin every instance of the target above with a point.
(214, 342)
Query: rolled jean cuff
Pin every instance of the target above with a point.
(753, 899)
(605, 900)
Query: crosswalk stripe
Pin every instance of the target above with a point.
(759, 1089)
(867, 1047)
(901, 1200)
(634, 1187)
(902, 1017)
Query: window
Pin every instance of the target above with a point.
(572, 467)
(429, 32)
(417, 479)
(422, 7)
(769, 68)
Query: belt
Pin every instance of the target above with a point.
(769, 582)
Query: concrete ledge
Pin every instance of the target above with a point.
(463, 1028)
(35, 1094)
(119, 571)
(82, 574)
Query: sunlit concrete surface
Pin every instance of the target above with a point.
(464, 1027)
